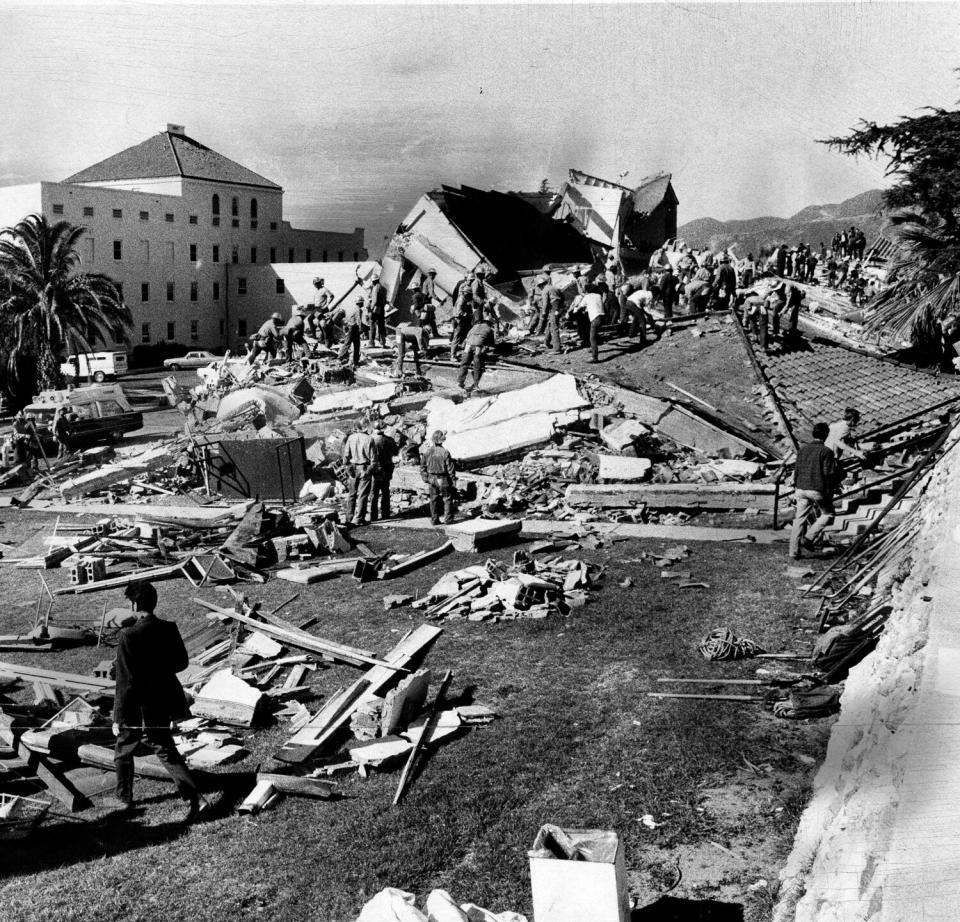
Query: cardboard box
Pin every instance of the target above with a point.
(578, 875)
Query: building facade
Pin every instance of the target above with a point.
(177, 224)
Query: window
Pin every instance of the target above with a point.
(192, 219)
(273, 254)
(118, 212)
(144, 291)
(324, 255)
(241, 286)
(253, 254)
(144, 215)
(193, 252)
(253, 209)
(216, 291)
(194, 291)
(273, 225)
(340, 256)
(242, 327)
(117, 335)
(168, 217)
(88, 211)
(291, 255)
(308, 256)
(171, 331)
(235, 222)
(216, 253)
(356, 256)
(194, 330)
(169, 291)
(235, 254)
(216, 204)
(254, 225)
(235, 207)
(223, 326)
(118, 249)
(58, 209)
(144, 332)
(216, 221)
(280, 287)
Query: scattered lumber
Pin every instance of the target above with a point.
(336, 714)
(102, 757)
(705, 697)
(294, 637)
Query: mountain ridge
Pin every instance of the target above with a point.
(813, 224)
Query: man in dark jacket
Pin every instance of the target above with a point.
(149, 698)
(814, 482)
(384, 458)
(439, 473)
(668, 293)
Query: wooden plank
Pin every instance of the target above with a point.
(298, 638)
(416, 560)
(753, 698)
(674, 495)
(431, 725)
(50, 773)
(335, 715)
(248, 530)
(313, 574)
(302, 787)
(135, 576)
(102, 757)
(57, 679)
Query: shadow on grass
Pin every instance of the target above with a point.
(63, 844)
(677, 909)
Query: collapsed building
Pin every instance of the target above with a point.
(516, 235)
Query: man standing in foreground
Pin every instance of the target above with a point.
(814, 481)
(149, 698)
(438, 472)
(358, 455)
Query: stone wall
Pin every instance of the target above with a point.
(849, 845)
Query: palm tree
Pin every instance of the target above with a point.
(47, 307)
(923, 283)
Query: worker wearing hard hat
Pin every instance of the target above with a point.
(267, 338)
(439, 473)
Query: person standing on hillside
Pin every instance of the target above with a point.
(814, 483)
(149, 698)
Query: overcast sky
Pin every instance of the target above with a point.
(357, 110)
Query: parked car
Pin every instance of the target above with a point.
(199, 359)
(96, 365)
(103, 414)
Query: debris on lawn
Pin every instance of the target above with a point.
(393, 905)
(722, 644)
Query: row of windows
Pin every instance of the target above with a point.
(171, 291)
(172, 331)
(215, 253)
(146, 330)
(170, 218)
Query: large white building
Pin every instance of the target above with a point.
(181, 228)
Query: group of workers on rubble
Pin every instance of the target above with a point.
(476, 317)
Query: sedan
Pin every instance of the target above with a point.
(192, 360)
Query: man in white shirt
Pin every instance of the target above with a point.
(841, 439)
(359, 456)
(352, 316)
(591, 304)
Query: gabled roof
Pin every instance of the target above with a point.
(653, 192)
(171, 154)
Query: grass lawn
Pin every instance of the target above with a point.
(578, 744)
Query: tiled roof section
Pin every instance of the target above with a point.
(168, 154)
(649, 195)
(818, 381)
